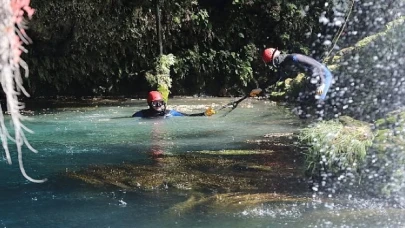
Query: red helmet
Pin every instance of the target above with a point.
(154, 96)
(268, 54)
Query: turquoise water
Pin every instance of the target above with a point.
(73, 138)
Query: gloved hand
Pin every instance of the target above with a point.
(255, 92)
(320, 89)
(209, 112)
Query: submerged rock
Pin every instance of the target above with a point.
(226, 171)
(215, 177)
(234, 202)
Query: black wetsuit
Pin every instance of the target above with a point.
(306, 64)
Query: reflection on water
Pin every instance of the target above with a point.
(73, 138)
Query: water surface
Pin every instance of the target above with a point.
(72, 138)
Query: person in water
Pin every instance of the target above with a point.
(157, 108)
(320, 74)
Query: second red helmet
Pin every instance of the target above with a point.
(269, 54)
(154, 96)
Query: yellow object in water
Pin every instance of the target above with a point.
(209, 112)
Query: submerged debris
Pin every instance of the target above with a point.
(251, 176)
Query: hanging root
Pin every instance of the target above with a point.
(12, 37)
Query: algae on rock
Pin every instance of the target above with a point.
(336, 146)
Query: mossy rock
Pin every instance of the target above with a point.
(215, 180)
(388, 131)
(385, 122)
(336, 145)
(395, 23)
(391, 119)
(373, 38)
(219, 171)
(362, 65)
(388, 157)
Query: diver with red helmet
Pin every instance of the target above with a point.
(157, 108)
(320, 76)
(318, 71)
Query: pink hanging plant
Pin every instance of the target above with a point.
(12, 38)
(18, 7)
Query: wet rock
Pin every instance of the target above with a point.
(227, 178)
(385, 174)
(233, 202)
(217, 172)
(364, 78)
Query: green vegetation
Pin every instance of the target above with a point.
(289, 88)
(161, 77)
(336, 146)
(111, 47)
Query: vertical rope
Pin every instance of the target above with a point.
(336, 38)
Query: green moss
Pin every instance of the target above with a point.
(339, 144)
(333, 67)
(345, 51)
(278, 94)
(288, 82)
(390, 26)
(384, 122)
(364, 42)
(300, 78)
(398, 21)
(381, 135)
(295, 85)
(332, 60)
(280, 84)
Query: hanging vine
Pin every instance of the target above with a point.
(12, 38)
